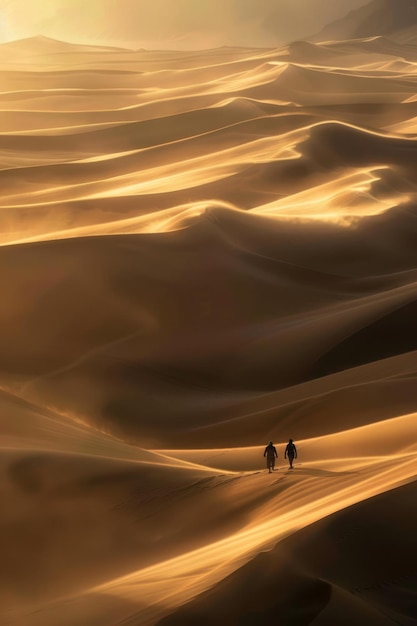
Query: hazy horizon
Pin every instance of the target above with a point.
(175, 24)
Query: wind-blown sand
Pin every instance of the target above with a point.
(200, 252)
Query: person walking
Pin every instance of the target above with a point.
(271, 454)
(290, 452)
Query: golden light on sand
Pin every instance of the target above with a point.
(200, 252)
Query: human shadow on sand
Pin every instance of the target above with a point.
(310, 471)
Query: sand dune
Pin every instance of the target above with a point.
(201, 252)
(373, 20)
(298, 571)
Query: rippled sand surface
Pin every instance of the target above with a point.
(201, 252)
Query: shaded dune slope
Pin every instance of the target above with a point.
(379, 17)
(264, 314)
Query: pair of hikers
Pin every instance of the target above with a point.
(271, 454)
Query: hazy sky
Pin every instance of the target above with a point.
(170, 23)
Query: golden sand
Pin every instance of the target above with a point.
(201, 252)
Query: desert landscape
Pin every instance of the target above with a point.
(202, 251)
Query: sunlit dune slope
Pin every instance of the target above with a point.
(122, 529)
(82, 128)
(201, 252)
(347, 568)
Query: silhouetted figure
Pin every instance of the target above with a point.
(271, 455)
(290, 452)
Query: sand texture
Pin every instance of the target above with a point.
(201, 252)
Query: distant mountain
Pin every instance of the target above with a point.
(40, 45)
(169, 24)
(379, 17)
